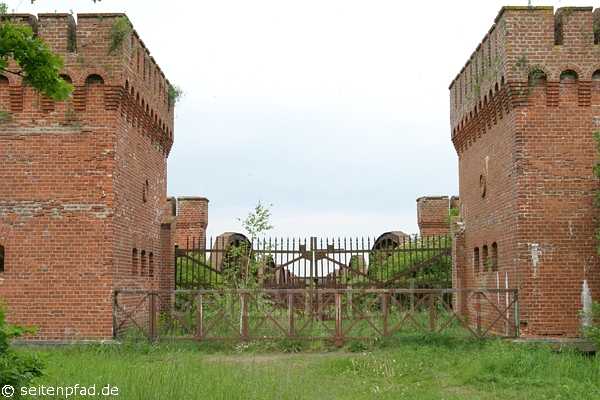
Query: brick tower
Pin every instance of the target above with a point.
(523, 112)
(83, 181)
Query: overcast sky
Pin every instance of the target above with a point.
(334, 111)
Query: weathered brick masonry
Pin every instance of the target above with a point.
(433, 214)
(523, 111)
(192, 220)
(84, 181)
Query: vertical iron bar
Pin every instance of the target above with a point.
(287, 259)
(319, 263)
(352, 254)
(349, 270)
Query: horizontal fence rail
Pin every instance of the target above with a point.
(337, 315)
(392, 260)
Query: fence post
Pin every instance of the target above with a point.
(350, 303)
(385, 311)
(200, 317)
(308, 304)
(432, 313)
(151, 316)
(339, 333)
(244, 315)
(290, 314)
(319, 299)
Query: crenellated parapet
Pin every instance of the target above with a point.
(526, 47)
(110, 68)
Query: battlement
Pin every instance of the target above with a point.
(100, 50)
(523, 44)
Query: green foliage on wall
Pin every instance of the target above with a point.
(37, 65)
(120, 31)
(175, 94)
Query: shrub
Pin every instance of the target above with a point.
(16, 369)
(593, 331)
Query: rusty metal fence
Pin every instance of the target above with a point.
(336, 315)
(393, 259)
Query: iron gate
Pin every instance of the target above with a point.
(392, 260)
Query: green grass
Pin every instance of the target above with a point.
(417, 367)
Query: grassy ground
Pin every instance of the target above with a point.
(410, 368)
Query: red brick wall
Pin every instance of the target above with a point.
(192, 220)
(530, 149)
(74, 175)
(433, 215)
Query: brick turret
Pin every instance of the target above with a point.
(523, 112)
(192, 220)
(433, 214)
(84, 180)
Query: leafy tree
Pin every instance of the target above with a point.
(257, 222)
(36, 63)
(39, 67)
(242, 267)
